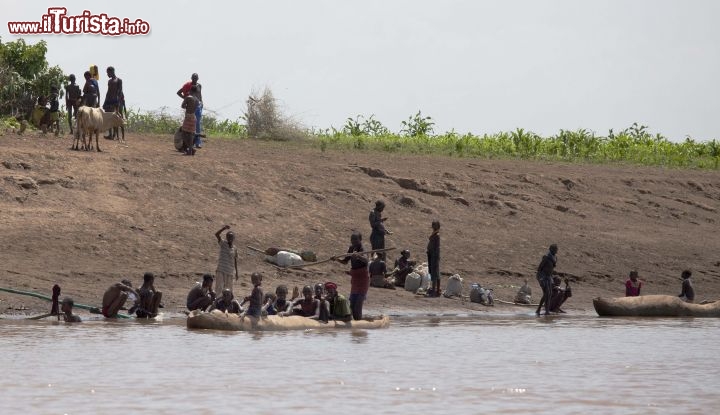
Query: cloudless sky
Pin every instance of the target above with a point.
(475, 66)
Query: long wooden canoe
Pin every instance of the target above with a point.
(654, 306)
(217, 320)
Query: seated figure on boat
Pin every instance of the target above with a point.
(338, 305)
(201, 296)
(227, 303)
(280, 303)
(688, 292)
(307, 306)
(633, 285)
(319, 292)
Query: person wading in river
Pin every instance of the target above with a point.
(359, 276)
(116, 296)
(544, 277)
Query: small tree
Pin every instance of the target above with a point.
(265, 121)
(25, 75)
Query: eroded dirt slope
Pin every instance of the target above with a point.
(85, 219)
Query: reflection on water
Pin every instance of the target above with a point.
(512, 364)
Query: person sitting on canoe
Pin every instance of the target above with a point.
(559, 295)
(688, 292)
(339, 307)
(319, 291)
(256, 297)
(227, 303)
(201, 296)
(280, 304)
(307, 306)
(633, 285)
(268, 308)
(116, 296)
(149, 298)
(66, 308)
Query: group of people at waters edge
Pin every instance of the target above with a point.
(323, 302)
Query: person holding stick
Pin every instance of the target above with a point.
(359, 276)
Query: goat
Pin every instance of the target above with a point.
(89, 120)
(114, 120)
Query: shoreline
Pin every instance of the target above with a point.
(85, 220)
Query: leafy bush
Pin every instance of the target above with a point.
(25, 75)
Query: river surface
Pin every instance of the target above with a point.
(514, 364)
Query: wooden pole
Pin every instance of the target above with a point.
(341, 256)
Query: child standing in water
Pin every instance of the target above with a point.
(256, 297)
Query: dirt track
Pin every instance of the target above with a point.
(85, 220)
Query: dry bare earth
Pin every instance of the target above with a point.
(85, 220)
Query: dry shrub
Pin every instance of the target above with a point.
(265, 121)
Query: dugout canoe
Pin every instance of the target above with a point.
(654, 306)
(217, 320)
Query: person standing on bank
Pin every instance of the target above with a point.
(183, 92)
(433, 256)
(544, 277)
(377, 223)
(227, 267)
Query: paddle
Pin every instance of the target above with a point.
(90, 308)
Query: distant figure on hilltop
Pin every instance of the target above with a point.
(90, 91)
(184, 92)
(190, 104)
(72, 95)
(113, 97)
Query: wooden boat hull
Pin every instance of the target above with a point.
(654, 306)
(217, 320)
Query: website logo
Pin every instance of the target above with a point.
(57, 22)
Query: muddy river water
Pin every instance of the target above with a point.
(513, 364)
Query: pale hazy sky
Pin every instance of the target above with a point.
(475, 66)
